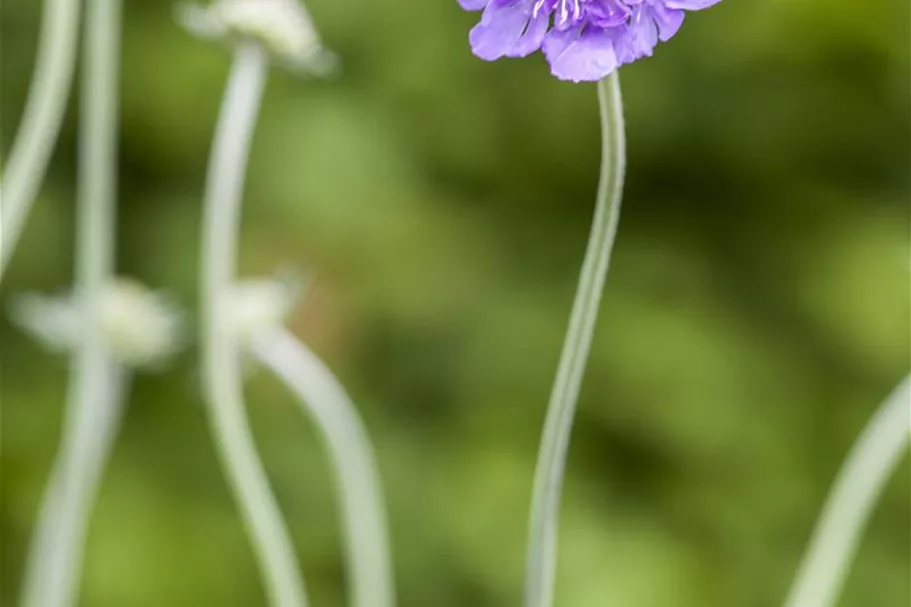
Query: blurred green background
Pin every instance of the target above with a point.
(756, 313)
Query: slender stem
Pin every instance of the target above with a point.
(856, 489)
(540, 572)
(93, 402)
(324, 399)
(41, 120)
(55, 553)
(97, 166)
(221, 355)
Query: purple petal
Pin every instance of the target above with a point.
(473, 5)
(509, 28)
(690, 5)
(544, 6)
(669, 21)
(532, 38)
(580, 56)
(502, 25)
(607, 13)
(638, 38)
(568, 13)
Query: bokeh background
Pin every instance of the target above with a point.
(756, 313)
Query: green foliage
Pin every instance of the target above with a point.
(756, 314)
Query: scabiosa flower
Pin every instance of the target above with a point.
(583, 40)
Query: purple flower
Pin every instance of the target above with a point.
(583, 40)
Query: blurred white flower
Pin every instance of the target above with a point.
(262, 303)
(283, 27)
(142, 328)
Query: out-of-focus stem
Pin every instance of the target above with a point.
(323, 398)
(221, 356)
(44, 109)
(853, 496)
(55, 553)
(94, 394)
(540, 571)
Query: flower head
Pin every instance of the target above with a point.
(281, 27)
(261, 303)
(141, 327)
(583, 40)
(264, 302)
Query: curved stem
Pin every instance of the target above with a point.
(856, 489)
(92, 406)
(540, 571)
(44, 110)
(55, 553)
(324, 399)
(221, 356)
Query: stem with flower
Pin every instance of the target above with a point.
(221, 355)
(540, 571)
(95, 396)
(856, 489)
(41, 120)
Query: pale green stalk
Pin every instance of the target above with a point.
(44, 109)
(55, 552)
(223, 377)
(851, 501)
(323, 398)
(93, 402)
(541, 564)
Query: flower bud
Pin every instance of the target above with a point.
(142, 328)
(281, 27)
(262, 303)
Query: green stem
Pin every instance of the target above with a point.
(94, 400)
(856, 489)
(55, 550)
(222, 371)
(323, 398)
(540, 572)
(41, 121)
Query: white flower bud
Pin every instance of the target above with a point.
(142, 328)
(282, 27)
(259, 304)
